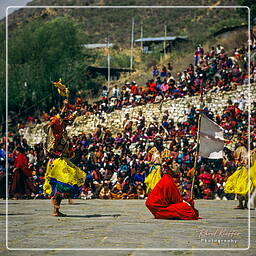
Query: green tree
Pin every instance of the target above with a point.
(244, 11)
(41, 52)
(2, 77)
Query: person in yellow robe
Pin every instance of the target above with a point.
(252, 203)
(238, 184)
(160, 157)
(242, 181)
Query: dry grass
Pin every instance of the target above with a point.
(180, 60)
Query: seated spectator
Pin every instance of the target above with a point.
(206, 191)
(134, 88)
(163, 72)
(116, 92)
(127, 124)
(105, 92)
(140, 191)
(116, 191)
(164, 87)
(105, 192)
(132, 192)
(206, 177)
(152, 86)
(107, 154)
(169, 67)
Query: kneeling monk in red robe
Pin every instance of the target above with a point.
(165, 202)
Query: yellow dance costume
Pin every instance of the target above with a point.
(153, 178)
(253, 174)
(64, 178)
(238, 182)
(156, 170)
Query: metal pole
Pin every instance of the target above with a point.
(141, 36)
(108, 66)
(132, 44)
(165, 32)
(196, 156)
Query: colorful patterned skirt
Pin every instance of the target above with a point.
(63, 178)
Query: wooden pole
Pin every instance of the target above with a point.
(165, 32)
(108, 66)
(131, 61)
(196, 156)
(141, 36)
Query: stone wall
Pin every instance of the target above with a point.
(152, 112)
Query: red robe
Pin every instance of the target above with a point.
(165, 202)
(21, 184)
(21, 162)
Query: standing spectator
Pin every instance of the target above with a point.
(197, 56)
(105, 92)
(155, 72)
(21, 184)
(116, 92)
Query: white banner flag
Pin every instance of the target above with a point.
(211, 139)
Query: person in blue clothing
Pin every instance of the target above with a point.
(155, 72)
(139, 177)
(2, 172)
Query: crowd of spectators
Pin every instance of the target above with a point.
(116, 165)
(214, 71)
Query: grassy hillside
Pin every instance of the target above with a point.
(93, 25)
(99, 23)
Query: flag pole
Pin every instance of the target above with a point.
(196, 156)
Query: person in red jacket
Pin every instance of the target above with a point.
(21, 184)
(152, 86)
(134, 89)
